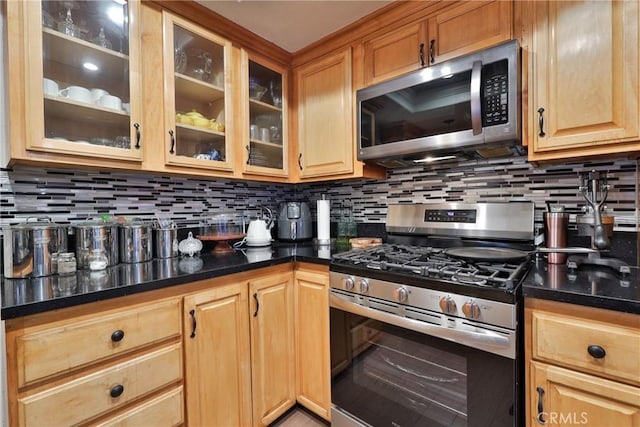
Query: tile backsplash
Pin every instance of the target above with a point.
(71, 196)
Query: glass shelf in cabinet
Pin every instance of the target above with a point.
(197, 90)
(262, 107)
(66, 109)
(75, 53)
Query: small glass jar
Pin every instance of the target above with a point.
(67, 263)
(97, 259)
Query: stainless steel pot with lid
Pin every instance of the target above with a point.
(98, 235)
(136, 242)
(28, 248)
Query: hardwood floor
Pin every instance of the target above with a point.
(299, 417)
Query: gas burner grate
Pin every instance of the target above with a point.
(430, 262)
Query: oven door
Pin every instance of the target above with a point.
(386, 375)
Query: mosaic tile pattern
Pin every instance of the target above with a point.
(67, 196)
(491, 180)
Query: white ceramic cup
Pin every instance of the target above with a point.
(77, 93)
(110, 101)
(97, 93)
(50, 87)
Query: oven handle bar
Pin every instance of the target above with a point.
(486, 340)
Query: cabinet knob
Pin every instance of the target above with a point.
(596, 351)
(116, 390)
(194, 323)
(117, 336)
(300, 161)
(248, 154)
(422, 55)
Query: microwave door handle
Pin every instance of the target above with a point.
(476, 108)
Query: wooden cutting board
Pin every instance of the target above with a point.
(365, 242)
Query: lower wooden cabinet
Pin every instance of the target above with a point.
(238, 350)
(582, 364)
(217, 357)
(567, 397)
(313, 376)
(104, 363)
(272, 349)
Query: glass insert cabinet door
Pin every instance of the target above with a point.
(197, 103)
(82, 76)
(266, 149)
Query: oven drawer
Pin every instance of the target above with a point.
(592, 346)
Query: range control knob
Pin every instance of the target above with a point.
(401, 294)
(448, 305)
(348, 283)
(364, 286)
(471, 309)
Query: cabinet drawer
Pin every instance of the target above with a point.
(89, 396)
(164, 410)
(565, 340)
(55, 350)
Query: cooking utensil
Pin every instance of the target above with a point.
(498, 254)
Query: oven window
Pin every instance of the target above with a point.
(389, 376)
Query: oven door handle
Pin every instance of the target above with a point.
(483, 339)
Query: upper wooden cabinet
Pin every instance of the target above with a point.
(468, 27)
(74, 74)
(264, 128)
(198, 101)
(325, 116)
(584, 81)
(392, 54)
(441, 35)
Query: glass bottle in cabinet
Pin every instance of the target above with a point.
(82, 91)
(266, 148)
(197, 102)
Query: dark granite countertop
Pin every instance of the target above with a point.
(22, 297)
(599, 287)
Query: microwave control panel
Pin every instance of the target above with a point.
(495, 101)
(495, 96)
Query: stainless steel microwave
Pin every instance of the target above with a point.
(466, 107)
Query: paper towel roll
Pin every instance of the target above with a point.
(323, 209)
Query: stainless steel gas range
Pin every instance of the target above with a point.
(426, 328)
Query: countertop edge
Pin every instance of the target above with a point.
(100, 295)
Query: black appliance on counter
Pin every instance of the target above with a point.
(425, 335)
(294, 221)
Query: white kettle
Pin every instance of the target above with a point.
(259, 231)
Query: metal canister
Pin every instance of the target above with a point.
(28, 248)
(136, 242)
(96, 235)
